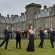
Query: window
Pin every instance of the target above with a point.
(51, 19)
(45, 10)
(51, 25)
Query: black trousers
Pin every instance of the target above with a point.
(52, 43)
(5, 41)
(17, 43)
(41, 43)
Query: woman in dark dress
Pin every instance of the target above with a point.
(30, 47)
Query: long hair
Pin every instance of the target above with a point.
(30, 27)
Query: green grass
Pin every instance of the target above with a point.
(47, 50)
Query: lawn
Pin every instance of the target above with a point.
(47, 50)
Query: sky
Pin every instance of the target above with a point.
(16, 7)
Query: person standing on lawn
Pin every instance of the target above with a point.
(6, 36)
(31, 32)
(18, 37)
(42, 36)
(52, 37)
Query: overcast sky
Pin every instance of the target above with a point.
(18, 6)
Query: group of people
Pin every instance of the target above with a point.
(7, 33)
(51, 34)
(31, 33)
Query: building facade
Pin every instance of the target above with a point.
(34, 15)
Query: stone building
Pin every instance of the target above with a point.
(33, 15)
(31, 10)
(45, 18)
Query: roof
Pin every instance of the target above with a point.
(33, 5)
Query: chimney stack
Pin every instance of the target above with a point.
(45, 6)
(8, 15)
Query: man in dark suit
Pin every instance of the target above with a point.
(6, 37)
(52, 35)
(18, 38)
(41, 34)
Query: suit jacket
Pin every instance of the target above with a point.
(18, 35)
(52, 35)
(7, 34)
(42, 34)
